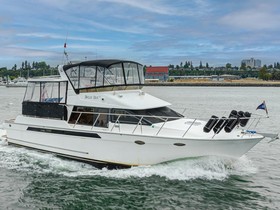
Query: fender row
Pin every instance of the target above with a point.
(228, 124)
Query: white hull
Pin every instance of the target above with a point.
(109, 147)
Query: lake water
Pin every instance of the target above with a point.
(33, 180)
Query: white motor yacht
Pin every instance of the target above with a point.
(97, 112)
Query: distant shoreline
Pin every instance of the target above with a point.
(216, 84)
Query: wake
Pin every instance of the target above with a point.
(207, 168)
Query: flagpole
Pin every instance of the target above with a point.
(266, 109)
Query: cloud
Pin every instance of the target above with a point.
(177, 8)
(56, 36)
(134, 29)
(150, 6)
(25, 52)
(257, 17)
(158, 31)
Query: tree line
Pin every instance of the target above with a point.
(266, 72)
(29, 69)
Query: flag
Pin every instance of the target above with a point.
(263, 106)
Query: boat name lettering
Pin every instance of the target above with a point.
(92, 97)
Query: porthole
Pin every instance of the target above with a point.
(139, 142)
(179, 144)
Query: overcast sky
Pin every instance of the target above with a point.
(152, 32)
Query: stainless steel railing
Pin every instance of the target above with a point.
(141, 120)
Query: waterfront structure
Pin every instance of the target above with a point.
(253, 63)
(157, 72)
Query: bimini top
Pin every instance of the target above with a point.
(102, 63)
(87, 75)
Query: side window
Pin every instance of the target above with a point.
(102, 119)
(32, 92)
(46, 92)
(89, 116)
(124, 116)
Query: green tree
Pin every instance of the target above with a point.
(263, 74)
(25, 64)
(186, 65)
(228, 66)
(14, 67)
(171, 66)
(275, 75)
(243, 66)
(200, 65)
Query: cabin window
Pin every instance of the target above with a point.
(158, 115)
(150, 116)
(46, 92)
(30, 94)
(62, 91)
(131, 73)
(100, 117)
(124, 116)
(90, 116)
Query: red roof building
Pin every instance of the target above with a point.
(157, 72)
(157, 69)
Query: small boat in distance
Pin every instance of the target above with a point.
(18, 82)
(97, 112)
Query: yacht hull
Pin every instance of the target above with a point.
(120, 150)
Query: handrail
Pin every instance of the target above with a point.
(95, 121)
(162, 117)
(77, 120)
(130, 115)
(117, 120)
(139, 122)
(160, 125)
(189, 128)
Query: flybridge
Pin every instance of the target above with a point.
(88, 75)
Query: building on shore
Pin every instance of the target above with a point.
(253, 63)
(157, 73)
(210, 78)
